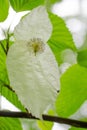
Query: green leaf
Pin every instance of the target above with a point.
(61, 38)
(82, 58)
(21, 5)
(54, 1)
(4, 81)
(82, 54)
(12, 97)
(3, 71)
(10, 124)
(45, 125)
(84, 46)
(4, 7)
(73, 91)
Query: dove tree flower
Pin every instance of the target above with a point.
(31, 65)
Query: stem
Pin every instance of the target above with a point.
(61, 120)
(7, 45)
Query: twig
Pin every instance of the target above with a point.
(61, 120)
(7, 45)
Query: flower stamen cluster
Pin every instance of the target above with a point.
(36, 45)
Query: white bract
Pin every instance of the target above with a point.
(31, 65)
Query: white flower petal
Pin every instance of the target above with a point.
(35, 25)
(35, 78)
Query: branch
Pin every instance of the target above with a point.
(61, 120)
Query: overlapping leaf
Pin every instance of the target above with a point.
(53, 1)
(10, 124)
(3, 72)
(84, 46)
(82, 58)
(4, 81)
(21, 5)
(61, 38)
(46, 125)
(4, 6)
(73, 91)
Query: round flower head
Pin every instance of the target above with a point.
(31, 65)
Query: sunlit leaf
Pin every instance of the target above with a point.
(82, 54)
(21, 5)
(61, 38)
(45, 125)
(4, 81)
(3, 72)
(73, 90)
(53, 1)
(4, 6)
(82, 58)
(12, 97)
(84, 45)
(10, 124)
